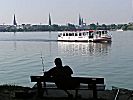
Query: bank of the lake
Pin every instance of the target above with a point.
(12, 92)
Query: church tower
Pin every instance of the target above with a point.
(80, 20)
(49, 20)
(14, 21)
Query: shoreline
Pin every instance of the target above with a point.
(12, 92)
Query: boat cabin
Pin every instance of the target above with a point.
(88, 35)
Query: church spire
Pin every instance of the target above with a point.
(80, 20)
(49, 20)
(14, 21)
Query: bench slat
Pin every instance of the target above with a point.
(85, 80)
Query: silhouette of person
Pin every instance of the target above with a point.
(62, 76)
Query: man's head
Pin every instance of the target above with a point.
(58, 62)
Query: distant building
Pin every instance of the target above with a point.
(80, 20)
(49, 20)
(3, 28)
(14, 21)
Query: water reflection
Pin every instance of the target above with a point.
(15, 44)
(80, 48)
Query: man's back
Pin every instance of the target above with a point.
(62, 76)
(65, 81)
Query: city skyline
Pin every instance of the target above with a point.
(66, 11)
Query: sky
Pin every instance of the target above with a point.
(66, 11)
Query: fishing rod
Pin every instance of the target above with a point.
(42, 63)
(44, 84)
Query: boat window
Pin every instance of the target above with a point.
(79, 34)
(98, 32)
(102, 32)
(70, 34)
(84, 33)
(60, 35)
(63, 34)
(76, 34)
(66, 34)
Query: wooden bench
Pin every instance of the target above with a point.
(92, 83)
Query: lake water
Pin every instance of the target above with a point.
(20, 57)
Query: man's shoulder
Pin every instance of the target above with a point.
(68, 69)
(66, 66)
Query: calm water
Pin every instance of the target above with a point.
(20, 57)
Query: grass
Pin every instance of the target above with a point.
(12, 87)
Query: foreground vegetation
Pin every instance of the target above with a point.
(13, 92)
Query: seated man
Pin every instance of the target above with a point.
(62, 76)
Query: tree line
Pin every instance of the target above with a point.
(68, 27)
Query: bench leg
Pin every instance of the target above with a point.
(76, 93)
(39, 89)
(94, 91)
(45, 89)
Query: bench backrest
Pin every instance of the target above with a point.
(85, 80)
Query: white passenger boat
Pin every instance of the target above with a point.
(85, 36)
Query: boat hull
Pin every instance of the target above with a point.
(105, 39)
(90, 40)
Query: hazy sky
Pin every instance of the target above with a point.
(64, 11)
